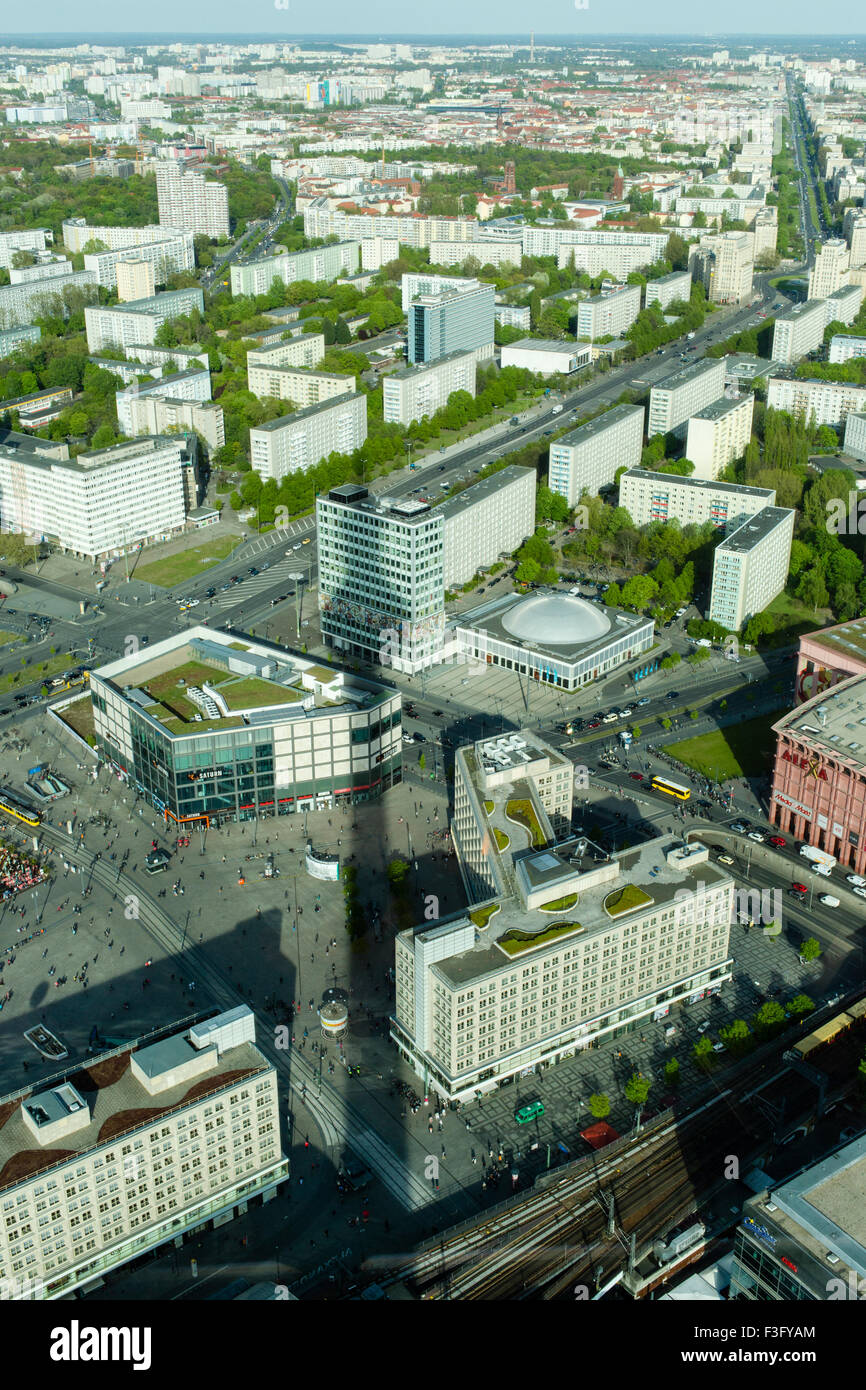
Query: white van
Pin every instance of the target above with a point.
(828, 900)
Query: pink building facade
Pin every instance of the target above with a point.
(819, 777)
(829, 656)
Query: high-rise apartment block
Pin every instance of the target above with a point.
(725, 264)
(844, 347)
(750, 567)
(815, 402)
(610, 314)
(171, 253)
(854, 224)
(648, 496)
(173, 1131)
(163, 413)
(453, 320)
(188, 200)
(22, 303)
(855, 435)
(381, 577)
(668, 289)
(306, 350)
(484, 521)
(12, 338)
(298, 441)
(413, 284)
(765, 230)
(799, 331)
(297, 385)
(414, 392)
(320, 264)
(587, 459)
(102, 502)
(830, 270)
(683, 394)
(191, 385)
(718, 434)
(135, 279)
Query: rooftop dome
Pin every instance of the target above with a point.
(556, 620)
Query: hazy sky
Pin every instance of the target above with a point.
(337, 17)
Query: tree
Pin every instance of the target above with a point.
(672, 1072)
(637, 1088)
(396, 871)
(769, 1019)
(810, 949)
(599, 1105)
(737, 1037)
(702, 1052)
(800, 1005)
(812, 590)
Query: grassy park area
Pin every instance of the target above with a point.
(742, 750)
(186, 564)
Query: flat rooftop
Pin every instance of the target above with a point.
(799, 310)
(480, 491)
(833, 722)
(847, 639)
(591, 428)
(823, 1210)
(410, 510)
(406, 373)
(284, 421)
(699, 484)
(716, 409)
(502, 619)
(116, 1101)
(548, 345)
(634, 891)
(690, 372)
(755, 530)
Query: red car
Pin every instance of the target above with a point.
(778, 841)
(636, 776)
(594, 724)
(799, 887)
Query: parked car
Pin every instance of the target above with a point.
(778, 841)
(739, 828)
(756, 835)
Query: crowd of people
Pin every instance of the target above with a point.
(18, 872)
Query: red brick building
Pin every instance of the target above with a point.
(819, 777)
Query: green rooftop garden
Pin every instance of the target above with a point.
(625, 899)
(560, 905)
(321, 673)
(515, 942)
(489, 808)
(520, 810)
(480, 916)
(502, 840)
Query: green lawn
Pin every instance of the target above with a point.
(796, 618)
(37, 671)
(9, 637)
(743, 750)
(186, 564)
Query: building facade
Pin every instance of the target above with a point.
(135, 279)
(188, 200)
(588, 459)
(414, 392)
(610, 314)
(668, 289)
(201, 753)
(99, 504)
(298, 441)
(648, 496)
(682, 394)
(21, 304)
(158, 414)
(725, 265)
(855, 435)
(182, 1129)
(546, 356)
(818, 402)
(750, 567)
(306, 350)
(453, 320)
(12, 338)
(298, 385)
(171, 253)
(488, 519)
(830, 269)
(322, 263)
(831, 655)
(191, 385)
(799, 331)
(381, 577)
(138, 321)
(718, 434)
(844, 347)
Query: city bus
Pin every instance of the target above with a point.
(13, 805)
(664, 784)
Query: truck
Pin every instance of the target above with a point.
(689, 336)
(557, 410)
(677, 1243)
(821, 860)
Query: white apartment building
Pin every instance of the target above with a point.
(164, 414)
(800, 331)
(546, 356)
(381, 577)
(844, 348)
(684, 393)
(188, 200)
(45, 270)
(409, 229)
(608, 315)
(550, 240)
(586, 460)
(306, 350)
(668, 289)
(718, 434)
(298, 385)
(99, 504)
(322, 263)
(830, 270)
(854, 224)
(479, 1003)
(513, 315)
(138, 321)
(413, 392)
(855, 435)
(181, 1129)
(135, 279)
(378, 251)
(765, 229)
(171, 254)
(725, 266)
(750, 567)
(648, 496)
(77, 232)
(12, 338)
(298, 441)
(21, 304)
(192, 385)
(486, 520)
(606, 256)
(487, 251)
(820, 402)
(31, 239)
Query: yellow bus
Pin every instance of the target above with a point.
(663, 784)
